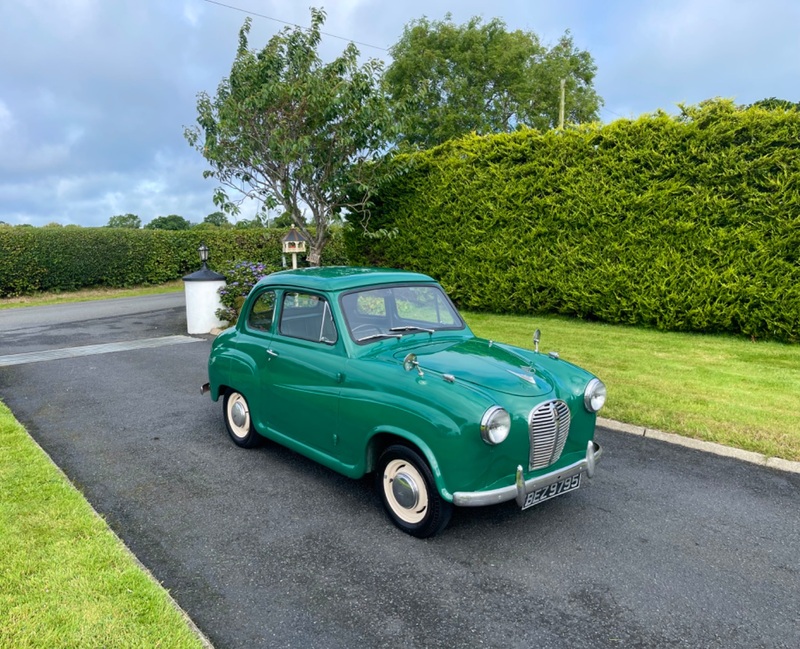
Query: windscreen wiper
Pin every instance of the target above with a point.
(376, 336)
(411, 328)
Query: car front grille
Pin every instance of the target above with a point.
(548, 426)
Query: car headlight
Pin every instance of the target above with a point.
(594, 396)
(495, 425)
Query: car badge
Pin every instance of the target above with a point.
(524, 377)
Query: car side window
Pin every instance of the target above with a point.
(308, 317)
(263, 310)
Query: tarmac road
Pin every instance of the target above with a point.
(667, 547)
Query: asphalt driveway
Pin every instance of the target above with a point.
(668, 547)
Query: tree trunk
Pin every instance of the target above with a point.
(313, 256)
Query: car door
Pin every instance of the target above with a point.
(302, 378)
(253, 344)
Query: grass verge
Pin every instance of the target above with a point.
(717, 388)
(41, 299)
(65, 579)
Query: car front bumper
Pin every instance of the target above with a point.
(521, 487)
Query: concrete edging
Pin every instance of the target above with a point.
(700, 445)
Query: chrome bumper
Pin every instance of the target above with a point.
(521, 487)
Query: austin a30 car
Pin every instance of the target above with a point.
(372, 370)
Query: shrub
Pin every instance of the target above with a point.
(240, 279)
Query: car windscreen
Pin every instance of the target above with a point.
(392, 311)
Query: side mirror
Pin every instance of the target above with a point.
(537, 335)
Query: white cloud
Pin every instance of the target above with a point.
(95, 94)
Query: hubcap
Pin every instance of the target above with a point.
(238, 414)
(405, 490)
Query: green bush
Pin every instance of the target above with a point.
(63, 259)
(687, 223)
(240, 278)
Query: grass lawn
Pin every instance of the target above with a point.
(717, 388)
(41, 299)
(65, 579)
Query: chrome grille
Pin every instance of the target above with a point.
(548, 427)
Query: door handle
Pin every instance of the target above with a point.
(272, 352)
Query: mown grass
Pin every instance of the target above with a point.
(717, 388)
(42, 299)
(65, 578)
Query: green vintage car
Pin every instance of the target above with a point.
(373, 370)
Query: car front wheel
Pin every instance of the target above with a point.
(238, 421)
(409, 494)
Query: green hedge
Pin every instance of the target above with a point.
(63, 259)
(687, 223)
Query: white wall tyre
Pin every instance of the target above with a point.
(238, 421)
(408, 492)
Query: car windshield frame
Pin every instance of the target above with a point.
(373, 313)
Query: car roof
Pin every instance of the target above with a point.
(340, 278)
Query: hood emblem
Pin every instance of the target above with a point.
(525, 377)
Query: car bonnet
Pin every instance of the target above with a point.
(481, 363)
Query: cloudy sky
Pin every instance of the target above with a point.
(94, 94)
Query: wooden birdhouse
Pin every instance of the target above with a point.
(293, 242)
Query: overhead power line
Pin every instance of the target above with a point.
(284, 22)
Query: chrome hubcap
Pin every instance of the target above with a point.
(405, 490)
(238, 414)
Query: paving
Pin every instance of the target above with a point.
(668, 547)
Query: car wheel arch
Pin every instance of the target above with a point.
(384, 437)
(219, 391)
(227, 367)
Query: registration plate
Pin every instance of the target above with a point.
(551, 491)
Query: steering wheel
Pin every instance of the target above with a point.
(364, 329)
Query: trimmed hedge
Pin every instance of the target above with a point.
(688, 223)
(64, 259)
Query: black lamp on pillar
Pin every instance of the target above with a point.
(203, 250)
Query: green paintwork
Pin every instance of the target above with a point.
(335, 402)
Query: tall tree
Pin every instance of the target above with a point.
(125, 221)
(218, 219)
(291, 131)
(448, 80)
(171, 222)
(774, 103)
